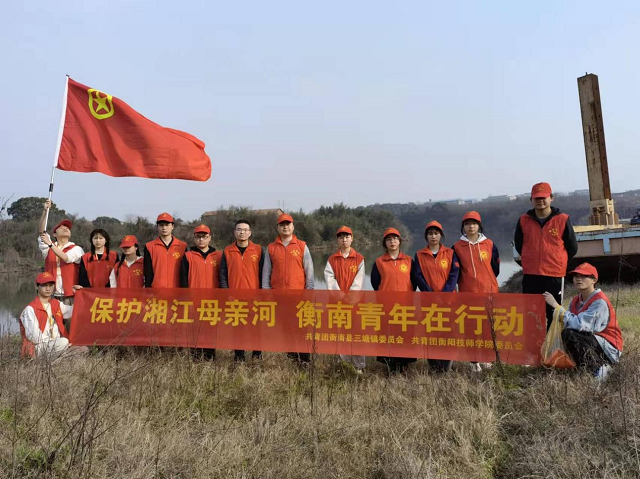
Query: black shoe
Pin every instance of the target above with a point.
(256, 355)
(239, 356)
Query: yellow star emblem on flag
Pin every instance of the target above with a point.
(100, 104)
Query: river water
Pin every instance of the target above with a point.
(18, 290)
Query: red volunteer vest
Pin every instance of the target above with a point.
(203, 272)
(395, 275)
(543, 251)
(29, 348)
(166, 262)
(287, 270)
(345, 269)
(68, 271)
(130, 276)
(476, 275)
(436, 269)
(98, 270)
(243, 270)
(612, 332)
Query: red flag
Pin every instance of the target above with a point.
(103, 134)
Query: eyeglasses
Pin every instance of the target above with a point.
(242, 230)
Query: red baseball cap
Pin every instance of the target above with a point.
(541, 190)
(165, 217)
(285, 217)
(44, 278)
(391, 231)
(585, 269)
(64, 222)
(128, 241)
(434, 224)
(202, 229)
(472, 215)
(344, 229)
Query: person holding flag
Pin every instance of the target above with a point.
(162, 256)
(61, 257)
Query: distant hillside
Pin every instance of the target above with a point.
(499, 217)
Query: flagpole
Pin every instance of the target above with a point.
(58, 145)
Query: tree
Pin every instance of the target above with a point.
(30, 208)
(105, 222)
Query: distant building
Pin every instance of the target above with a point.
(579, 192)
(456, 201)
(499, 198)
(272, 212)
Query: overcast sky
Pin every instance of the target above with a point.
(359, 102)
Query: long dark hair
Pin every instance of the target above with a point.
(107, 243)
(122, 258)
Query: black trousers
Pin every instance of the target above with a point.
(239, 355)
(302, 358)
(584, 349)
(396, 365)
(536, 284)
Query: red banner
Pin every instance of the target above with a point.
(461, 326)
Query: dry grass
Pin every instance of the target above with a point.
(160, 414)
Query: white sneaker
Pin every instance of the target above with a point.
(603, 372)
(475, 367)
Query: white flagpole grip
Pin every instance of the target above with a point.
(58, 144)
